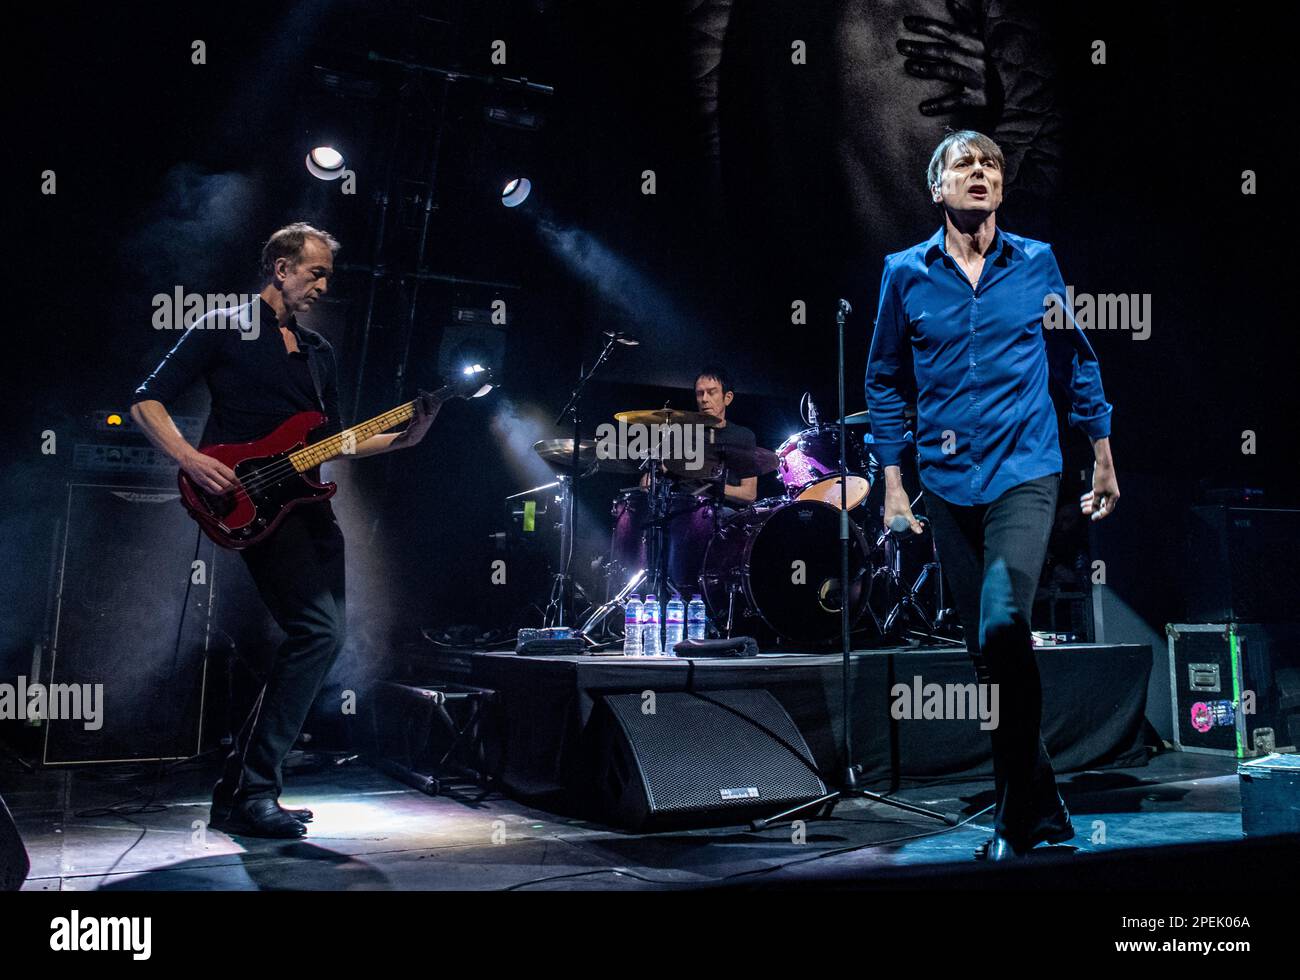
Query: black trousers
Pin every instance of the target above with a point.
(298, 571)
(992, 556)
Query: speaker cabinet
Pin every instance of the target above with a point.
(14, 863)
(1243, 564)
(677, 760)
(134, 593)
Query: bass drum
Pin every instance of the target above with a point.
(782, 564)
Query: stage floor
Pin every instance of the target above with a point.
(372, 832)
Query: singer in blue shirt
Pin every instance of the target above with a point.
(960, 326)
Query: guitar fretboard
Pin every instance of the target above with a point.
(348, 440)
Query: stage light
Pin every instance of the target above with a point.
(516, 192)
(472, 369)
(522, 118)
(325, 163)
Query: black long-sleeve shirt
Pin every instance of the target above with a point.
(255, 383)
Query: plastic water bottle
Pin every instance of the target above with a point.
(674, 624)
(696, 618)
(651, 642)
(632, 620)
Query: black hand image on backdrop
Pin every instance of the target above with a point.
(956, 55)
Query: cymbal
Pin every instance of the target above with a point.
(864, 417)
(558, 453)
(666, 416)
(857, 418)
(740, 461)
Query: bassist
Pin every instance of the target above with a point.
(262, 367)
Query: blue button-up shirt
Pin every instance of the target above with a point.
(978, 359)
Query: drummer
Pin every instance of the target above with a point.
(713, 395)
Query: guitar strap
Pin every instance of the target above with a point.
(313, 367)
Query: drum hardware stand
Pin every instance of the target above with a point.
(561, 602)
(849, 787)
(657, 573)
(908, 603)
(619, 601)
(733, 587)
(560, 596)
(731, 606)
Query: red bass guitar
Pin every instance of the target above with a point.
(273, 470)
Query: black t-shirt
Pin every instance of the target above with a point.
(254, 382)
(732, 434)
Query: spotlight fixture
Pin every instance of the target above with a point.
(513, 118)
(516, 192)
(325, 163)
(472, 369)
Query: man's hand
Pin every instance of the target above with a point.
(207, 473)
(897, 503)
(1100, 501)
(425, 412)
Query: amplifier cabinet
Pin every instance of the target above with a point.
(134, 593)
(1243, 565)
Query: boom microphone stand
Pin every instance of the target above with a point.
(849, 786)
(563, 589)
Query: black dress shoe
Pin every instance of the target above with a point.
(1000, 848)
(1056, 829)
(260, 818)
(221, 813)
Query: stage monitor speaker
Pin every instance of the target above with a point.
(675, 760)
(14, 863)
(126, 585)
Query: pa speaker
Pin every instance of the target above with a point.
(673, 760)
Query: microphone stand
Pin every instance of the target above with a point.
(849, 786)
(562, 592)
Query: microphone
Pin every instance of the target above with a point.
(619, 337)
(845, 308)
(808, 409)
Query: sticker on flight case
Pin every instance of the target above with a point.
(1212, 714)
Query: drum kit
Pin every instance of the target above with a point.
(771, 569)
